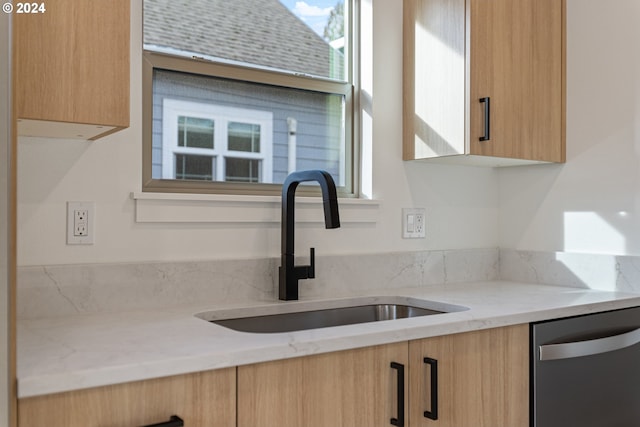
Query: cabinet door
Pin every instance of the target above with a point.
(71, 66)
(434, 75)
(349, 388)
(482, 379)
(202, 399)
(516, 60)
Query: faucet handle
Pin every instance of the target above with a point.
(311, 270)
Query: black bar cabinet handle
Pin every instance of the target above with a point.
(433, 413)
(487, 118)
(399, 422)
(174, 421)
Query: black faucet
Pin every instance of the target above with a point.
(290, 273)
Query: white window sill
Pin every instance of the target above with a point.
(230, 209)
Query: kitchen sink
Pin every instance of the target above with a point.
(314, 315)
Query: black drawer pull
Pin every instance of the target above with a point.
(433, 413)
(487, 119)
(399, 422)
(174, 421)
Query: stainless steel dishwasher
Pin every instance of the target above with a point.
(586, 371)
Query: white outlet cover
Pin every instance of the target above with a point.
(88, 238)
(413, 223)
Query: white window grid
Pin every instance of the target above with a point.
(221, 116)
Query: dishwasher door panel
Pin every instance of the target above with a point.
(600, 389)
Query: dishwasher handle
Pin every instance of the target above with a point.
(590, 347)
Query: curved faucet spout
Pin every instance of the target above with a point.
(329, 194)
(289, 274)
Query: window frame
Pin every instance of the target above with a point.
(152, 60)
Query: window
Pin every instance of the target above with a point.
(208, 142)
(239, 94)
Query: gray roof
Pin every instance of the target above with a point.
(251, 31)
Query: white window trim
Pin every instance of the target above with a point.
(221, 115)
(251, 209)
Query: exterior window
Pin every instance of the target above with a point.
(195, 132)
(207, 142)
(239, 94)
(244, 137)
(191, 166)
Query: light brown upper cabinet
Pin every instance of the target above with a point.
(71, 68)
(484, 81)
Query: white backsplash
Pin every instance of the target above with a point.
(580, 270)
(61, 290)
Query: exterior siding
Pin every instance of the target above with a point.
(319, 118)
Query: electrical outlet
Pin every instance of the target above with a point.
(413, 223)
(80, 221)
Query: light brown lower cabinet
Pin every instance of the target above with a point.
(205, 399)
(351, 388)
(482, 381)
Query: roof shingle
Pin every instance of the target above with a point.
(261, 32)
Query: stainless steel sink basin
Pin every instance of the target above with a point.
(324, 314)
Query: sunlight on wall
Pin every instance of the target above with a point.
(588, 232)
(440, 76)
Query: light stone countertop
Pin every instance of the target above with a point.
(60, 354)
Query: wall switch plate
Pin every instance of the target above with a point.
(413, 223)
(80, 220)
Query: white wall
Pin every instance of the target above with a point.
(461, 202)
(592, 203)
